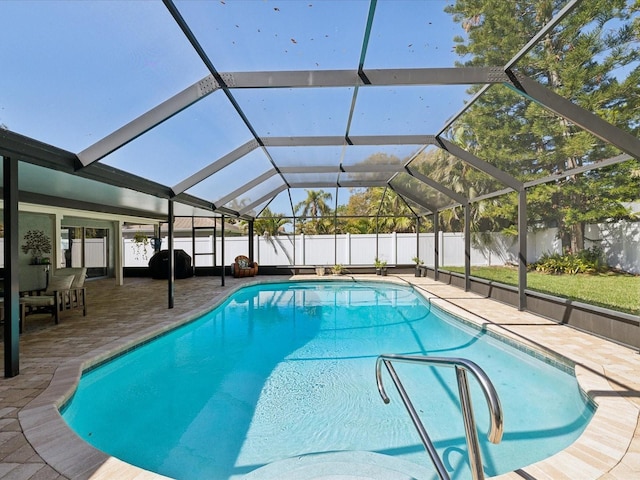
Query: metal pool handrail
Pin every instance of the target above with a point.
(462, 366)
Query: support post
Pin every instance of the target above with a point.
(436, 245)
(118, 253)
(215, 244)
(157, 235)
(11, 279)
(377, 233)
(522, 249)
(170, 266)
(294, 240)
(193, 243)
(335, 232)
(58, 255)
(467, 247)
(223, 266)
(417, 237)
(251, 239)
(394, 248)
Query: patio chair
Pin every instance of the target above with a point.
(65, 291)
(243, 267)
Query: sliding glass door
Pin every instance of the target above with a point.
(86, 247)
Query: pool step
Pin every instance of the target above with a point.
(342, 466)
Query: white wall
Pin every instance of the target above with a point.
(620, 241)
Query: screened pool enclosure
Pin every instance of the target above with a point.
(325, 117)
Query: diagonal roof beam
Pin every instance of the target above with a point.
(414, 198)
(574, 113)
(523, 51)
(558, 176)
(466, 107)
(246, 187)
(557, 18)
(487, 196)
(456, 197)
(148, 120)
(404, 200)
(177, 16)
(262, 199)
(584, 168)
(481, 165)
(216, 166)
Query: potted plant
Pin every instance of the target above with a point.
(381, 266)
(38, 243)
(337, 269)
(140, 243)
(419, 266)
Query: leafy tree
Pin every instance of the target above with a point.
(354, 216)
(393, 214)
(466, 180)
(590, 59)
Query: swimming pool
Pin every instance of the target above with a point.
(285, 370)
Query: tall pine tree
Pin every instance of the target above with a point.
(591, 58)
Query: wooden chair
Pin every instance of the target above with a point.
(65, 291)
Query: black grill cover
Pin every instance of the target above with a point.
(159, 264)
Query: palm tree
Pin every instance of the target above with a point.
(269, 223)
(395, 214)
(314, 206)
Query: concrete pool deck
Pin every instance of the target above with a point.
(36, 444)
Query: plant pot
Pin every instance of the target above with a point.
(383, 272)
(418, 272)
(378, 271)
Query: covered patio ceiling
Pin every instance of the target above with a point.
(226, 107)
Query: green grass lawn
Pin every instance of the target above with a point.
(610, 290)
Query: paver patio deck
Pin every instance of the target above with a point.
(35, 443)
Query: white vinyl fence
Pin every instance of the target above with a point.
(620, 242)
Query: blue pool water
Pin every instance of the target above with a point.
(288, 369)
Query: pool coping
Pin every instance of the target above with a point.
(598, 453)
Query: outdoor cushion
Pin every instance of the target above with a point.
(38, 301)
(79, 273)
(59, 282)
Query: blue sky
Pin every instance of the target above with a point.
(73, 72)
